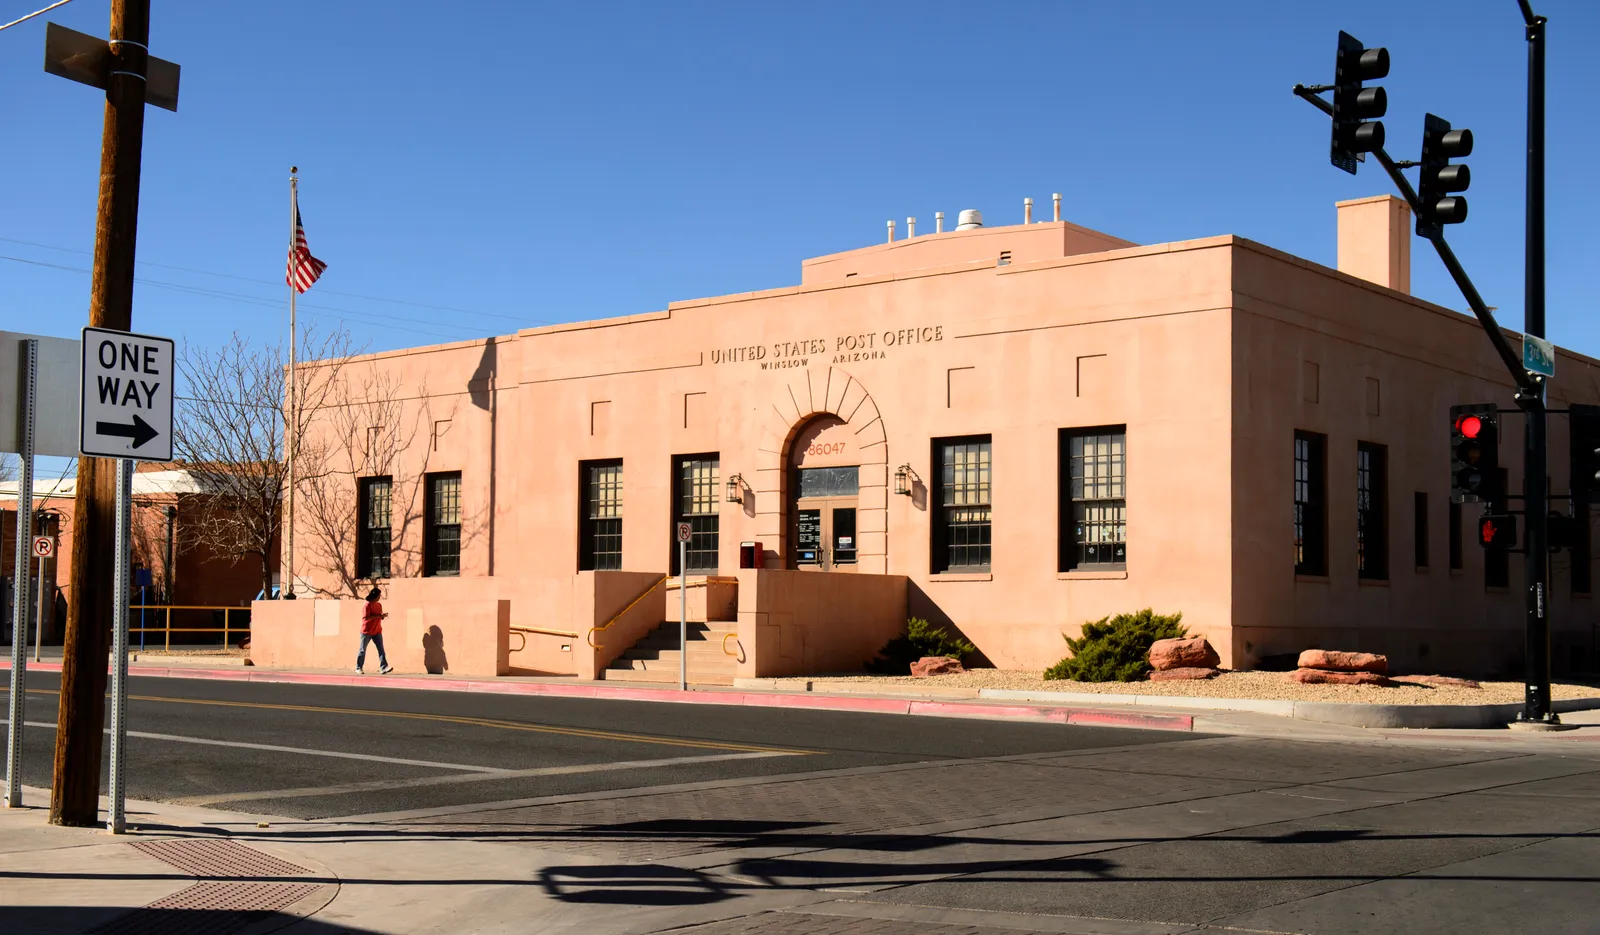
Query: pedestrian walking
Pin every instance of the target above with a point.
(372, 632)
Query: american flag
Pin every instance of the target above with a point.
(303, 268)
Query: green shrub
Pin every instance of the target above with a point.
(1116, 649)
(921, 639)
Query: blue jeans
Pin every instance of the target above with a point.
(377, 640)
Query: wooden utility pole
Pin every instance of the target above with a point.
(75, 790)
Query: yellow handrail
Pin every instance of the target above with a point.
(589, 636)
(725, 637)
(524, 631)
(227, 629)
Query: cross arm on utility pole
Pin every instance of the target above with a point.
(1526, 384)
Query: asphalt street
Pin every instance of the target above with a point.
(307, 751)
(441, 812)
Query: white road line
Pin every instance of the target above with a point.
(273, 748)
(378, 785)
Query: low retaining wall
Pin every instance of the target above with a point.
(447, 627)
(801, 623)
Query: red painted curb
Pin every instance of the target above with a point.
(866, 704)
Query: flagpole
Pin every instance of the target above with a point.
(286, 587)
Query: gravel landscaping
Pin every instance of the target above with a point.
(1264, 685)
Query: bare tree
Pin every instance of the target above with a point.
(365, 425)
(230, 433)
(8, 467)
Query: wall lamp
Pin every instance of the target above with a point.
(903, 477)
(736, 489)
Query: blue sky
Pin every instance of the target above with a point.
(500, 164)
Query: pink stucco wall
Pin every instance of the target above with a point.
(799, 623)
(1200, 349)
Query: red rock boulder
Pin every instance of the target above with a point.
(1332, 661)
(1194, 653)
(935, 665)
(1183, 673)
(1326, 677)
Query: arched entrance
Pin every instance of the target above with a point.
(824, 488)
(824, 418)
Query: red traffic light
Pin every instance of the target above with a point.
(1497, 531)
(1469, 426)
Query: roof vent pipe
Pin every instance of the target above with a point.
(1027, 210)
(938, 222)
(969, 219)
(891, 232)
(911, 228)
(1057, 199)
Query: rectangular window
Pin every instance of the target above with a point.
(1094, 505)
(1310, 503)
(1372, 514)
(961, 528)
(697, 496)
(600, 516)
(1455, 536)
(1419, 528)
(372, 545)
(442, 554)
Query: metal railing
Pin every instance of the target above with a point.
(524, 631)
(589, 636)
(227, 629)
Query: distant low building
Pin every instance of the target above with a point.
(170, 566)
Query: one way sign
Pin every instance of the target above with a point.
(125, 401)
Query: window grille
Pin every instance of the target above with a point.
(443, 551)
(965, 526)
(698, 499)
(372, 545)
(1310, 504)
(1372, 533)
(601, 517)
(1096, 496)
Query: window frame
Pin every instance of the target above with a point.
(366, 539)
(705, 525)
(1311, 521)
(1582, 550)
(1372, 511)
(1071, 544)
(1457, 558)
(433, 563)
(943, 528)
(593, 530)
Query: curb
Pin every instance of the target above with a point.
(599, 690)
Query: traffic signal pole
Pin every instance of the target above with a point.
(1536, 689)
(1530, 396)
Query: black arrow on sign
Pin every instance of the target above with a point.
(140, 431)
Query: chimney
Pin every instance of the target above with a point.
(938, 222)
(1027, 210)
(1056, 198)
(1375, 241)
(911, 228)
(891, 232)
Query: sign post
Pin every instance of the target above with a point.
(28, 380)
(684, 532)
(124, 412)
(43, 547)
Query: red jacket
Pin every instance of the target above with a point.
(372, 619)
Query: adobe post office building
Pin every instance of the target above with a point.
(1012, 430)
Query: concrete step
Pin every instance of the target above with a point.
(715, 659)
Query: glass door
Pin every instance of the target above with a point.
(823, 528)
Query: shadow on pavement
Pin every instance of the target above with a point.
(113, 921)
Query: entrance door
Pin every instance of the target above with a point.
(823, 528)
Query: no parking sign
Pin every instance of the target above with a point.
(44, 546)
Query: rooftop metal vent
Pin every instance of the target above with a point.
(969, 219)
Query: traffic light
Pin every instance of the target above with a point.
(1584, 423)
(1474, 453)
(1497, 531)
(1439, 178)
(1356, 109)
